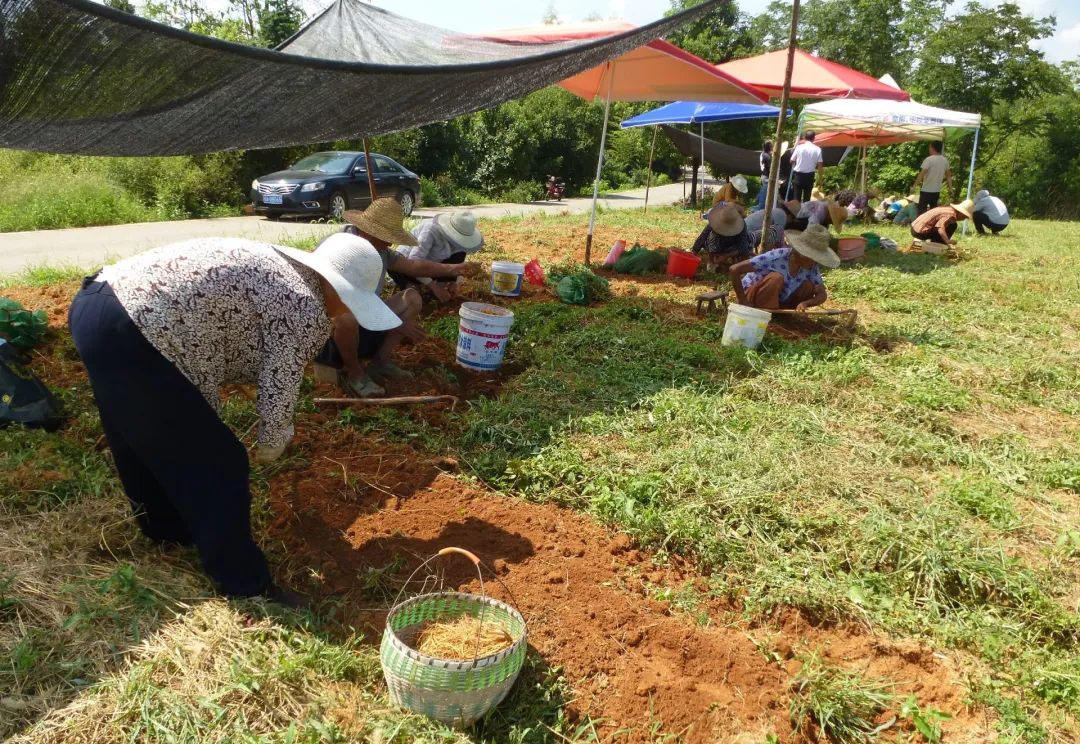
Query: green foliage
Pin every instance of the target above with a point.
(926, 722)
(842, 704)
(20, 326)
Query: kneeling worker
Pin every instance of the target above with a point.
(789, 277)
(939, 224)
(447, 239)
(161, 332)
(353, 343)
(990, 212)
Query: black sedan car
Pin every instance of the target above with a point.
(328, 183)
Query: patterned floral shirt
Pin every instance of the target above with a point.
(229, 311)
(779, 261)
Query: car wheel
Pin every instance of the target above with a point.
(338, 205)
(407, 202)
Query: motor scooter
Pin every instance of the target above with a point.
(554, 189)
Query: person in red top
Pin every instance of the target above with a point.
(939, 224)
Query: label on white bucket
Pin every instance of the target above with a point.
(506, 278)
(482, 334)
(745, 326)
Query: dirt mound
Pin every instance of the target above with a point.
(633, 661)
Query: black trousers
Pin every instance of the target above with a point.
(928, 200)
(404, 281)
(183, 470)
(982, 222)
(932, 234)
(803, 185)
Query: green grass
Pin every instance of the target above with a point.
(919, 477)
(841, 704)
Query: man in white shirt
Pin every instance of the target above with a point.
(806, 164)
(990, 212)
(934, 170)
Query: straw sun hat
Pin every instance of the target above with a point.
(382, 220)
(353, 267)
(813, 242)
(726, 221)
(966, 208)
(739, 182)
(837, 215)
(460, 229)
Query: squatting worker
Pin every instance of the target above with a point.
(353, 343)
(939, 223)
(447, 239)
(161, 332)
(989, 213)
(788, 277)
(935, 169)
(807, 164)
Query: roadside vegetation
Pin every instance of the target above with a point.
(917, 478)
(1029, 153)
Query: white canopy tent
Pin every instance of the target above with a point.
(862, 123)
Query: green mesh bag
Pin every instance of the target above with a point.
(19, 326)
(640, 261)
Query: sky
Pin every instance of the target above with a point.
(488, 15)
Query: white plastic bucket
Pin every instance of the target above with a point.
(482, 333)
(745, 326)
(506, 278)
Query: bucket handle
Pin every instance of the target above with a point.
(479, 564)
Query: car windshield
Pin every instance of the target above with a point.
(325, 162)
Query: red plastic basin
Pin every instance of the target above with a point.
(682, 263)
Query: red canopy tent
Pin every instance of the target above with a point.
(811, 77)
(657, 71)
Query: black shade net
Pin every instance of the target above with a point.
(78, 77)
(728, 158)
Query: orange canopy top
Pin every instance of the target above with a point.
(658, 71)
(811, 77)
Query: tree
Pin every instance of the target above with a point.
(718, 36)
(124, 5)
(984, 55)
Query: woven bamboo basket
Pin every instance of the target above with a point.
(453, 692)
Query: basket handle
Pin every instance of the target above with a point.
(461, 551)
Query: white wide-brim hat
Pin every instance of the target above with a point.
(353, 267)
(739, 182)
(460, 229)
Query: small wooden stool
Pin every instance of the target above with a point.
(711, 298)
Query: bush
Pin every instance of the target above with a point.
(33, 202)
(429, 193)
(521, 192)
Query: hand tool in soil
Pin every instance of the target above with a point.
(850, 315)
(453, 692)
(399, 401)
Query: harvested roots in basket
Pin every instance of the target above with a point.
(462, 639)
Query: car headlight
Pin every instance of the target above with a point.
(318, 186)
(255, 184)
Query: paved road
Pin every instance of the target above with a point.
(86, 247)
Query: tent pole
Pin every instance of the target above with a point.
(370, 173)
(701, 162)
(648, 180)
(971, 175)
(774, 168)
(599, 165)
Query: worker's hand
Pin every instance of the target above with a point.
(802, 307)
(412, 330)
(442, 291)
(468, 269)
(953, 242)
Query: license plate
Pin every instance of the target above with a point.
(271, 198)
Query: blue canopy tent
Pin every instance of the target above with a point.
(696, 112)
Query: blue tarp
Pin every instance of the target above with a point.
(693, 112)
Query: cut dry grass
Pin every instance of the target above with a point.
(464, 638)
